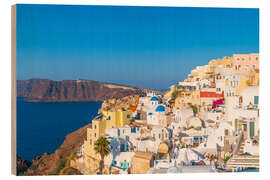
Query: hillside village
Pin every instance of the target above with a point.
(207, 123)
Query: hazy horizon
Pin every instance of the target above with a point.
(148, 47)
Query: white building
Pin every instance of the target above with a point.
(203, 83)
(232, 81)
(243, 111)
(224, 133)
(251, 147)
(220, 77)
(160, 133)
(155, 117)
(214, 116)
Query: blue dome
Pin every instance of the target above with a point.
(154, 98)
(150, 113)
(160, 108)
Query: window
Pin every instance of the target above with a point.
(90, 141)
(95, 135)
(128, 116)
(95, 126)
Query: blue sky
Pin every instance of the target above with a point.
(152, 47)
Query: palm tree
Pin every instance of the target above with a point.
(102, 146)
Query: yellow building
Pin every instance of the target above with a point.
(242, 86)
(108, 119)
(188, 80)
(169, 93)
(225, 62)
(253, 77)
(141, 162)
(186, 97)
(117, 118)
(208, 71)
(96, 130)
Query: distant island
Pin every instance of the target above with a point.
(45, 90)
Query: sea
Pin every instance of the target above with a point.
(42, 127)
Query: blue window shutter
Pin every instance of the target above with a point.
(256, 100)
(251, 129)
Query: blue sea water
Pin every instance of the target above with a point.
(42, 127)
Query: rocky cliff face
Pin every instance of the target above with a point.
(22, 165)
(46, 163)
(43, 90)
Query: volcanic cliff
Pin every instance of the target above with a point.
(44, 90)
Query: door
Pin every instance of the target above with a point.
(251, 129)
(256, 100)
(236, 124)
(245, 131)
(226, 132)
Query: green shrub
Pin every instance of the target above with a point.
(194, 108)
(173, 97)
(227, 158)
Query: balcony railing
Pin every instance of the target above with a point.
(248, 107)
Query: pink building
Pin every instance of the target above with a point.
(243, 63)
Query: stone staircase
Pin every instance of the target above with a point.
(241, 148)
(239, 160)
(244, 161)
